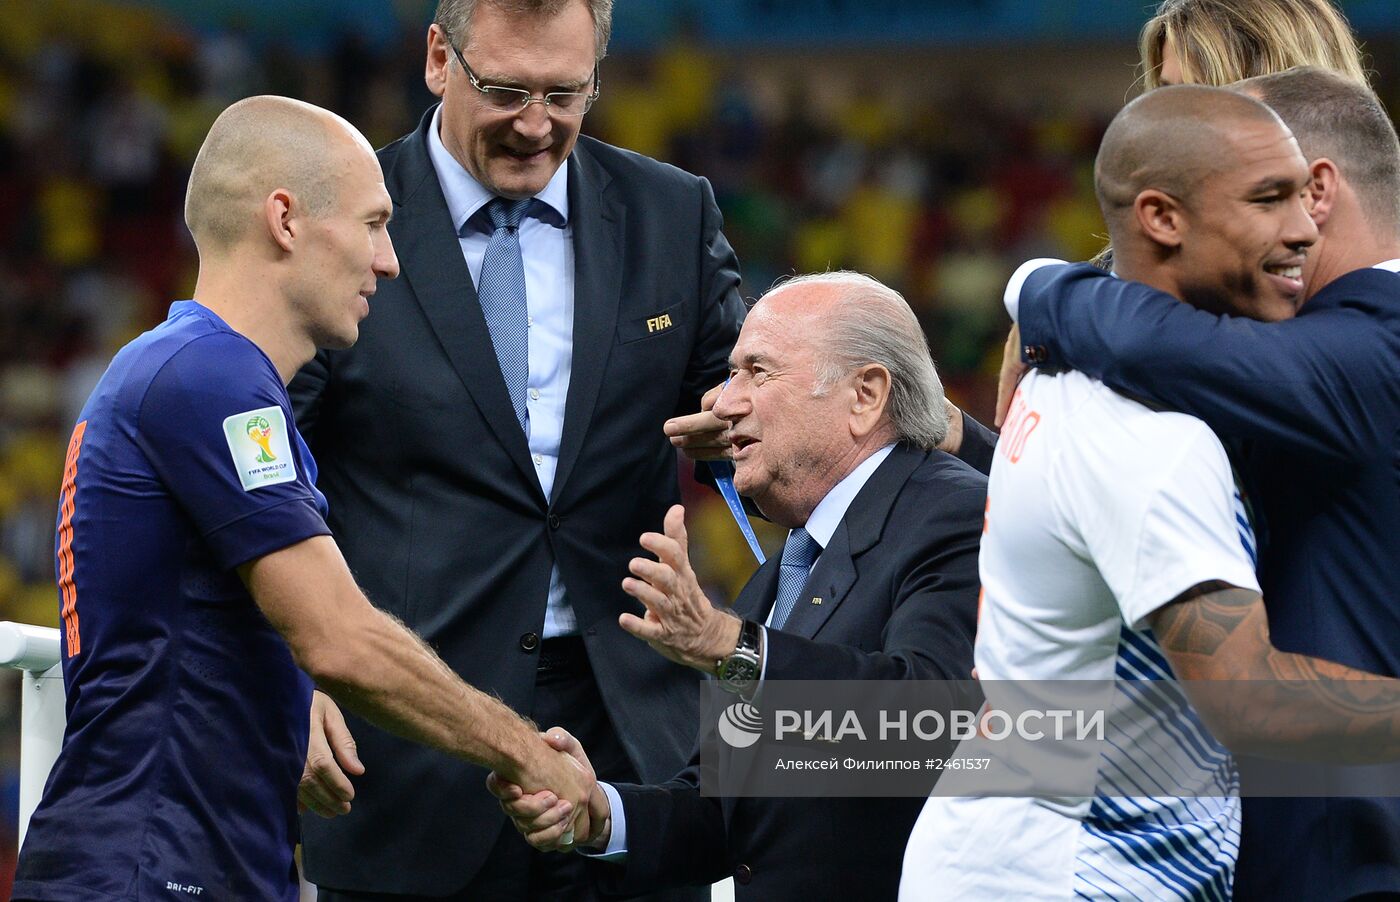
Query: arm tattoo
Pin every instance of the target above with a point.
(1199, 620)
(1272, 702)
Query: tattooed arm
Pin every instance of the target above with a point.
(1275, 704)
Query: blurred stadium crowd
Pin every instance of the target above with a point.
(98, 128)
(103, 105)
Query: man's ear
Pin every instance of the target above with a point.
(1323, 186)
(1161, 217)
(439, 58)
(282, 225)
(872, 396)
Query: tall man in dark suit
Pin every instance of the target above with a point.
(1311, 407)
(834, 410)
(494, 444)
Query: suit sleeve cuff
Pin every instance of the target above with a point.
(616, 851)
(763, 665)
(755, 692)
(1012, 298)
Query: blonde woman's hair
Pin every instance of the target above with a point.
(1219, 42)
(1223, 41)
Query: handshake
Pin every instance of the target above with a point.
(558, 821)
(544, 781)
(681, 624)
(546, 786)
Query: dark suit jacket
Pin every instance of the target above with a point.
(899, 580)
(1311, 410)
(436, 504)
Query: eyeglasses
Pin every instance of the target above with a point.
(518, 100)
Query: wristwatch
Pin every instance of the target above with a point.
(740, 670)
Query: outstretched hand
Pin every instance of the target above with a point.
(680, 621)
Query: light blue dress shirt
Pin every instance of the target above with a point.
(546, 244)
(821, 526)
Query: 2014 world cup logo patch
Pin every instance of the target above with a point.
(260, 442)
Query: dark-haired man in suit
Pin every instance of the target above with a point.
(494, 444)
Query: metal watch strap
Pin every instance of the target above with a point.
(748, 641)
(746, 652)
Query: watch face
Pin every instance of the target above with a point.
(742, 670)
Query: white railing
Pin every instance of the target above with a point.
(34, 649)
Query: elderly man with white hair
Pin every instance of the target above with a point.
(834, 412)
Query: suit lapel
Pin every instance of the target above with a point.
(756, 598)
(835, 571)
(597, 222)
(440, 281)
(831, 579)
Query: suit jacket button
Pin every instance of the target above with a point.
(743, 874)
(529, 642)
(1035, 353)
(554, 521)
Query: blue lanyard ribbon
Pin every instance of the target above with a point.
(723, 471)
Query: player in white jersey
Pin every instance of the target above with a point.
(1102, 510)
(1117, 549)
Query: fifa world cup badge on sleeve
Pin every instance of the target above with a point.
(261, 447)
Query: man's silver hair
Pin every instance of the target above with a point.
(874, 324)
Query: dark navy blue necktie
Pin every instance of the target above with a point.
(799, 553)
(501, 290)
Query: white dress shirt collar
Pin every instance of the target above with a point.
(829, 512)
(1390, 266)
(465, 195)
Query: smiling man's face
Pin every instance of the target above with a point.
(1250, 228)
(512, 154)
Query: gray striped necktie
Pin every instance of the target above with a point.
(501, 290)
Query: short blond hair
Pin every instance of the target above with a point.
(1223, 41)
